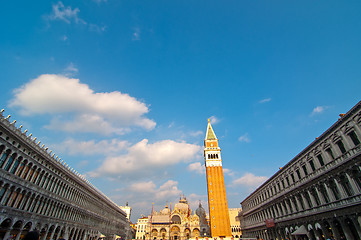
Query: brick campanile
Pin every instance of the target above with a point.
(217, 198)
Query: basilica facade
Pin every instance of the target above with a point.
(38, 191)
(178, 223)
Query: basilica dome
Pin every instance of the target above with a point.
(200, 211)
(166, 210)
(182, 206)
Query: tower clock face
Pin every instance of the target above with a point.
(211, 144)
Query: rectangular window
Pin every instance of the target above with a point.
(330, 153)
(341, 146)
(298, 174)
(312, 165)
(304, 170)
(320, 159)
(288, 181)
(335, 191)
(293, 177)
(354, 138)
(324, 194)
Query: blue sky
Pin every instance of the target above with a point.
(122, 90)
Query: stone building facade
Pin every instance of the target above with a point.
(317, 195)
(142, 225)
(179, 223)
(235, 223)
(40, 192)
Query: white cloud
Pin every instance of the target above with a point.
(213, 120)
(69, 15)
(136, 34)
(227, 171)
(103, 147)
(244, 138)
(197, 167)
(66, 14)
(193, 200)
(265, 100)
(318, 110)
(71, 70)
(148, 158)
(250, 180)
(166, 191)
(142, 187)
(103, 112)
(86, 123)
(96, 28)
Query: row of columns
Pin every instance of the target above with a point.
(53, 232)
(347, 228)
(343, 137)
(28, 171)
(307, 199)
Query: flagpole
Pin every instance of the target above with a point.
(170, 220)
(151, 222)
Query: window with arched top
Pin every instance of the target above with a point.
(176, 219)
(4, 156)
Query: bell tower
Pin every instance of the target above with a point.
(217, 198)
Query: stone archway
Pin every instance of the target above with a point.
(163, 233)
(187, 233)
(311, 233)
(175, 233)
(318, 231)
(26, 229)
(16, 229)
(352, 229)
(154, 234)
(196, 233)
(57, 233)
(339, 233)
(5, 227)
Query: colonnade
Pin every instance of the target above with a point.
(38, 191)
(324, 178)
(18, 229)
(330, 228)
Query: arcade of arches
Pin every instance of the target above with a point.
(180, 223)
(40, 192)
(317, 194)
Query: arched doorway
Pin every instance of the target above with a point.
(4, 227)
(154, 234)
(175, 233)
(338, 229)
(187, 233)
(16, 229)
(352, 228)
(163, 233)
(196, 233)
